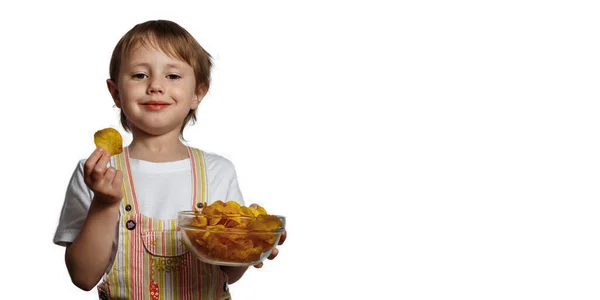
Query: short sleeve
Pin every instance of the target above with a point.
(75, 208)
(234, 192)
(222, 179)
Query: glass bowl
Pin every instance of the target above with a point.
(230, 240)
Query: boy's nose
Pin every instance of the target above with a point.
(155, 87)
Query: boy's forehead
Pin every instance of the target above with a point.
(140, 49)
(140, 52)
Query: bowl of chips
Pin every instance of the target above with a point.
(228, 234)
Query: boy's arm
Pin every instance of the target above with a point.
(233, 273)
(88, 255)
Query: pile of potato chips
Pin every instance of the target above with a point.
(234, 233)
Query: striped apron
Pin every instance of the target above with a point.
(151, 260)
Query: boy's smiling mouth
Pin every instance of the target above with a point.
(155, 105)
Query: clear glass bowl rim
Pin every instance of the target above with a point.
(188, 214)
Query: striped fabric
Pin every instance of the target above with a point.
(152, 262)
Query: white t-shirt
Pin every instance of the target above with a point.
(162, 190)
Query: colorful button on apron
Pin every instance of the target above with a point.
(130, 224)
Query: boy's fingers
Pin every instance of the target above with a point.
(273, 253)
(118, 178)
(260, 264)
(116, 183)
(91, 162)
(110, 174)
(283, 237)
(104, 159)
(100, 167)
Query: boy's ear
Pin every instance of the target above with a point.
(114, 92)
(199, 95)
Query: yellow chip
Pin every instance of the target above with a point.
(232, 208)
(110, 140)
(214, 209)
(246, 212)
(258, 210)
(265, 222)
(199, 221)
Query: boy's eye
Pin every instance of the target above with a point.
(139, 76)
(173, 76)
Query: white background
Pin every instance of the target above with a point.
(419, 149)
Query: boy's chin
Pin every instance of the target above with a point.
(156, 130)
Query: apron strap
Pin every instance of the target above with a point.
(129, 198)
(200, 190)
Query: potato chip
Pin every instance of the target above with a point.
(234, 232)
(265, 222)
(246, 211)
(199, 221)
(259, 210)
(216, 208)
(232, 208)
(110, 140)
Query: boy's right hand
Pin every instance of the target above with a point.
(104, 181)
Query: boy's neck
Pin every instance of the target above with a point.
(164, 148)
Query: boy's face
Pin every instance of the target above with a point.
(155, 91)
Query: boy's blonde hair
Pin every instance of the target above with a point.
(173, 40)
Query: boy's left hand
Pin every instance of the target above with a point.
(275, 251)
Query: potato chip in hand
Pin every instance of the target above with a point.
(110, 140)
